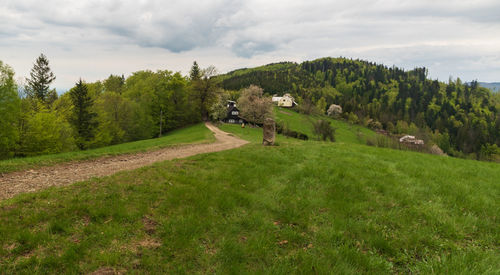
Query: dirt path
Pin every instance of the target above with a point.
(15, 183)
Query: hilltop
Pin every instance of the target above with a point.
(493, 86)
(462, 118)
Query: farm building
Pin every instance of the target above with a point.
(233, 114)
(284, 101)
(411, 140)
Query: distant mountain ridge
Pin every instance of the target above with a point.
(493, 86)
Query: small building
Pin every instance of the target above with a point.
(286, 100)
(411, 140)
(233, 114)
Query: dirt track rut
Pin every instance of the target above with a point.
(15, 183)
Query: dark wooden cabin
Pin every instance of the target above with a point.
(233, 114)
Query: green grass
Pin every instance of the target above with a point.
(300, 207)
(344, 132)
(252, 134)
(193, 134)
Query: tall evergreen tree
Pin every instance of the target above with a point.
(40, 78)
(195, 73)
(83, 119)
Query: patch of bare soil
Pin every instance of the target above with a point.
(15, 183)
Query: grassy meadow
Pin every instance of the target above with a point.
(300, 207)
(344, 132)
(192, 134)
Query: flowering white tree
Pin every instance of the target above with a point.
(254, 107)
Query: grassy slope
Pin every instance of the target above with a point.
(301, 207)
(344, 132)
(192, 134)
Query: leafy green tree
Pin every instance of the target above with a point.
(204, 89)
(40, 79)
(114, 83)
(352, 118)
(113, 115)
(83, 118)
(45, 132)
(9, 111)
(321, 105)
(218, 110)
(402, 127)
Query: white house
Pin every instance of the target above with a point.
(411, 140)
(284, 101)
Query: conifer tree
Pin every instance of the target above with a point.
(40, 78)
(83, 119)
(195, 73)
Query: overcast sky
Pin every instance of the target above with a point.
(92, 39)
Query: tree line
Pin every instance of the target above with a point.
(461, 118)
(36, 120)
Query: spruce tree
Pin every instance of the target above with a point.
(83, 119)
(40, 78)
(195, 73)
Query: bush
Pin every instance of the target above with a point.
(324, 130)
(282, 128)
(352, 118)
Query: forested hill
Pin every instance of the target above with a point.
(462, 118)
(493, 86)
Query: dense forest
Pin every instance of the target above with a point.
(35, 120)
(462, 118)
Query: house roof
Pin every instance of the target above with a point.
(233, 108)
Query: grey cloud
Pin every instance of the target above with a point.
(176, 25)
(437, 34)
(250, 48)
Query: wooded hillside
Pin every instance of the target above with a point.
(462, 118)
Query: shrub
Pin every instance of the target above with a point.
(324, 130)
(282, 128)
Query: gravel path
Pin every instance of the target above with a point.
(15, 183)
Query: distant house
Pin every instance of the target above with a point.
(284, 101)
(233, 114)
(411, 140)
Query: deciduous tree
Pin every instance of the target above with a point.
(9, 111)
(254, 107)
